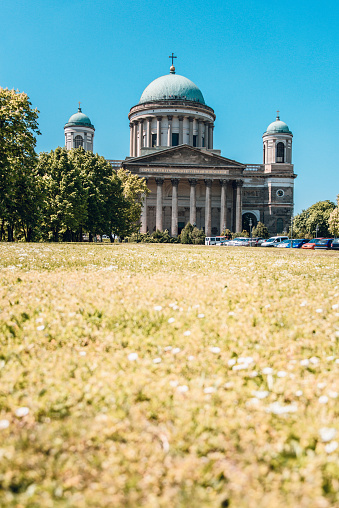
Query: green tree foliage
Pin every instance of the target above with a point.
(186, 234)
(227, 232)
(260, 230)
(240, 234)
(19, 185)
(107, 209)
(135, 190)
(198, 236)
(305, 223)
(192, 234)
(333, 220)
(64, 208)
(82, 192)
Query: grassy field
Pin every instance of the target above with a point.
(168, 376)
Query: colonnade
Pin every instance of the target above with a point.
(237, 184)
(141, 133)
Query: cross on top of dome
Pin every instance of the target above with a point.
(172, 68)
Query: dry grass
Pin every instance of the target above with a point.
(168, 376)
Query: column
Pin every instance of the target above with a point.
(210, 135)
(169, 132)
(158, 220)
(223, 205)
(190, 118)
(135, 140)
(181, 130)
(143, 227)
(131, 140)
(206, 135)
(149, 132)
(159, 130)
(208, 211)
(174, 223)
(238, 206)
(193, 200)
(199, 144)
(141, 135)
(85, 141)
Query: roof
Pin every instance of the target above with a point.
(172, 86)
(278, 126)
(79, 118)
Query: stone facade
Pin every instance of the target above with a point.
(171, 145)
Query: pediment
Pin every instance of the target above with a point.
(184, 155)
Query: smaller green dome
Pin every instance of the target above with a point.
(79, 118)
(277, 127)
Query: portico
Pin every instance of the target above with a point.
(190, 185)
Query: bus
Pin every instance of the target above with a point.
(215, 240)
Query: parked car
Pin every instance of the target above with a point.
(325, 243)
(286, 244)
(257, 241)
(311, 243)
(335, 244)
(241, 241)
(294, 243)
(299, 242)
(274, 241)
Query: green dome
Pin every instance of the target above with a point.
(278, 126)
(79, 118)
(169, 87)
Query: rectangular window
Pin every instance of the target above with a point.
(175, 139)
(154, 140)
(195, 140)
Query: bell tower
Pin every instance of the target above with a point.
(79, 132)
(277, 143)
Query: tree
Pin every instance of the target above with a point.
(313, 221)
(81, 191)
(18, 131)
(135, 190)
(64, 209)
(260, 230)
(186, 234)
(198, 236)
(333, 220)
(106, 205)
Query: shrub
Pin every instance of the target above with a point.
(260, 230)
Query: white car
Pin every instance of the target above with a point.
(274, 241)
(240, 241)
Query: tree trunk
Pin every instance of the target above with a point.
(2, 229)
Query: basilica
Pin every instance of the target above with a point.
(171, 146)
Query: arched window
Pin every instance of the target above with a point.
(280, 152)
(246, 217)
(280, 226)
(78, 141)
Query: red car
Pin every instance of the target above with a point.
(311, 244)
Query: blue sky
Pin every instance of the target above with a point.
(249, 58)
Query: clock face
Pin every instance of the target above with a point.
(280, 193)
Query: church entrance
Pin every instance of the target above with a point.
(246, 221)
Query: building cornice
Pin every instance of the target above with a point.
(191, 106)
